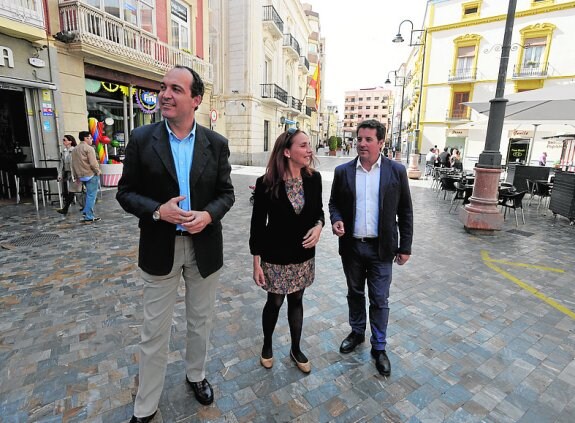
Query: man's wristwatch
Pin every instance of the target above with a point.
(156, 214)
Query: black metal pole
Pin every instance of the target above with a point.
(491, 157)
(400, 116)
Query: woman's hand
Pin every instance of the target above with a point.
(258, 275)
(311, 238)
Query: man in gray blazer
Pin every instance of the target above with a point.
(176, 180)
(370, 201)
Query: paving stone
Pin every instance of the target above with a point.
(466, 344)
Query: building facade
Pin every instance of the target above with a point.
(470, 34)
(264, 54)
(366, 103)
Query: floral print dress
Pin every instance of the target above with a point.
(288, 278)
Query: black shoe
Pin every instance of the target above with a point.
(96, 219)
(135, 419)
(62, 211)
(202, 391)
(352, 341)
(382, 363)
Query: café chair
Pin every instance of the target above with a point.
(513, 200)
(26, 170)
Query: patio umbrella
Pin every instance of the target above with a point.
(555, 103)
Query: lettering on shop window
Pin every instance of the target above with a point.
(6, 57)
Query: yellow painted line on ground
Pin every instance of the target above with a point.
(532, 266)
(489, 263)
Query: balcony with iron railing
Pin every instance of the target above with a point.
(458, 113)
(462, 75)
(530, 70)
(24, 11)
(303, 64)
(274, 92)
(272, 22)
(291, 46)
(294, 103)
(105, 36)
(309, 110)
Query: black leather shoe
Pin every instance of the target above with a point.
(382, 363)
(202, 391)
(352, 341)
(148, 419)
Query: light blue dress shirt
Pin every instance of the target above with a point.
(367, 200)
(183, 154)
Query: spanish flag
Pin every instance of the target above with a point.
(314, 83)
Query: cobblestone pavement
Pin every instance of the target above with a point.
(481, 328)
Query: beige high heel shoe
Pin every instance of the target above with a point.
(304, 367)
(267, 363)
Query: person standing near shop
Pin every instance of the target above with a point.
(176, 180)
(86, 168)
(371, 213)
(70, 185)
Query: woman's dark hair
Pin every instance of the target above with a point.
(278, 162)
(71, 139)
(373, 124)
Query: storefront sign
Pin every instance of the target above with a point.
(457, 132)
(47, 126)
(37, 63)
(520, 133)
(555, 144)
(180, 11)
(46, 95)
(6, 57)
(47, 109)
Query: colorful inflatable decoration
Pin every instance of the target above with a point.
(100, 139)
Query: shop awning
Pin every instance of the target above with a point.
(26, 83)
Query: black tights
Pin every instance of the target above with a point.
(295, 318)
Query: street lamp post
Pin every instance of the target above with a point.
(388, 81)
(481, 214)
(413, 171)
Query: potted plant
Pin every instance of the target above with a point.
(333, 144)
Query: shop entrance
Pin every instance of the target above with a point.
(14, 132)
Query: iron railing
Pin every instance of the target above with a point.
(113, 36)
(271, 15)
(274, 91)
(290, 41)
(309, 110)
(458, 114)
(295, 103)
(304, 62)
(466, 74)
(529, 70)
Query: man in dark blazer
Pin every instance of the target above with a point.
(176, 180)
(371, 213)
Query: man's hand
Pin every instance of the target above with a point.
(337, 228)
(401, 259)
(311, 238)
(171, 211)
(197, 221)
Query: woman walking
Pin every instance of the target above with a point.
(69, 186)
(287, 220)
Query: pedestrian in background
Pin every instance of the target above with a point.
(176, 180)
(286, 224)
(543, 159)
(371, 213)
(70, 185)
(85, 167)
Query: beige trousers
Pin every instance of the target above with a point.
(160, 294)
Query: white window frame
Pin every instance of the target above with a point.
(182, 42)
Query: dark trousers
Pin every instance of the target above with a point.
(361, 264)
